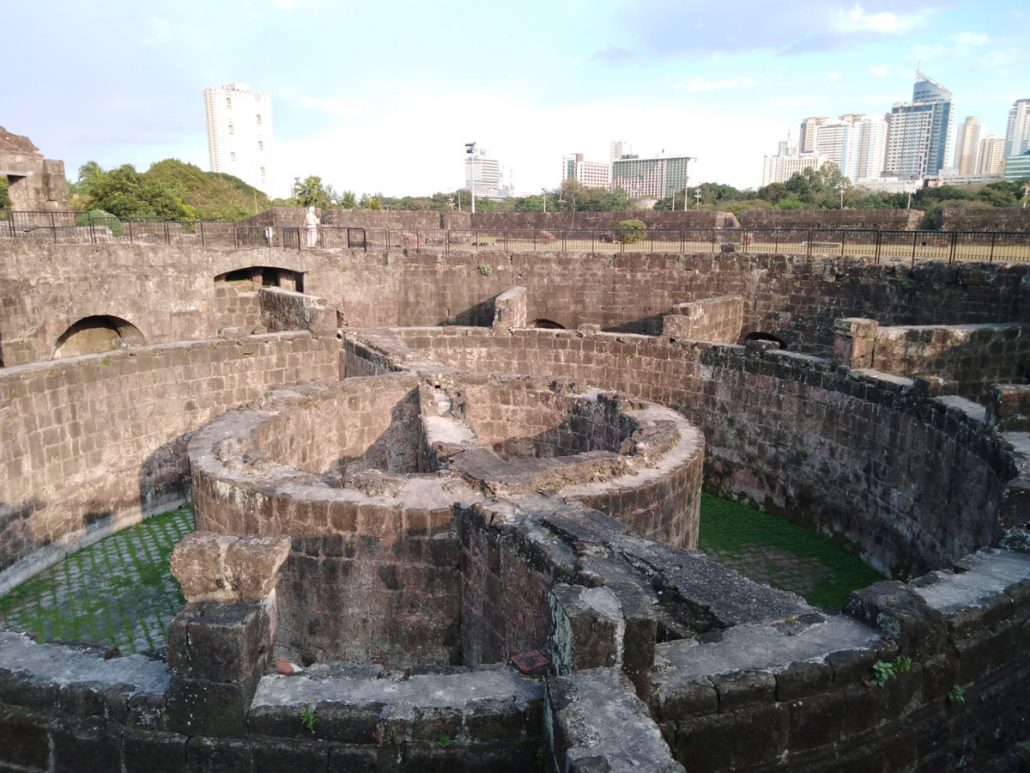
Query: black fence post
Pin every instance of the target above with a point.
(915, 239)
(954, 244)
(879, 235)
(131, 238)
(713, 240)
(809, 242)
(990, 257)
(843, 238)
(92, 229)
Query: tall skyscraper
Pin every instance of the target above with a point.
(967, 143)
(917, 131)
(806, 137)
(240, 135)
(991, 157)
(1017, 135)
(592, 174)
(653, 178)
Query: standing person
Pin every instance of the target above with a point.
(311, 223)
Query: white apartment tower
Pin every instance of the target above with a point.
(991, 157)
(590, 174)
(240, 135)
(1017, 136)
(806, 137)
(967, 143)
(855, 143)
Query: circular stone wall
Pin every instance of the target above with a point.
(363, 474)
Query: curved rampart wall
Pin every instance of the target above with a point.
(908, 480)
(90, 443)
(168, 291)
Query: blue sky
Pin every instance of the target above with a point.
(381, 96)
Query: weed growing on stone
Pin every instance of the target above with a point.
(883, 672)
(485, 269)
(308, 718)
(957, 694)
(443, 741)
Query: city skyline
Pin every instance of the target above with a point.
(668, 76)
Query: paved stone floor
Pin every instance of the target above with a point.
(771, 550)
(117, 592)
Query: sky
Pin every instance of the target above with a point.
(382, 96)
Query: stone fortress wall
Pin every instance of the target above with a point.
(182, 292)
(686, 662)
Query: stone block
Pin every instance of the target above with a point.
(743, 688)
(252, 565)
(145, 751)
(89, 744)
(219, 642)
(218, 755)
(26, 744)
(198, 706)
(587, 628)
(902, 616)
(197, 563)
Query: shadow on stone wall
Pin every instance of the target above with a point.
(164, 477)
(16, 530)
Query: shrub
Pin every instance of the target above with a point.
(100, 218)
(630, 231)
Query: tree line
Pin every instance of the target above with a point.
(173, 190)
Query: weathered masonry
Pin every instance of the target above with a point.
(472, 540)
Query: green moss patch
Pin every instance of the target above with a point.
(118, 592)
(772, 550)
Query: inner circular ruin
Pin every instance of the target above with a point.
(365, 474)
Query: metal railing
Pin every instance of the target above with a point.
(83, 228)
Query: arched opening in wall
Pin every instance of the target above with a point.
(264, 276)
(96, 334)
(546, 324)
(759, 336)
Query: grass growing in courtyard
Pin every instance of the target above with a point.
(772, 550)
(117, 592)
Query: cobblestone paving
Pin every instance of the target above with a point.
(117, 592)
(774, 551)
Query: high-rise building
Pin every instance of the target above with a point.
(806, 137)
(1017, 135)
(967, 143)
(1017, 168)
(990, 157)
(485, 174)
(239, 134)
(620, 148)
(779, 169)
(651, 178)
(591, 174)
(917, 131)
(854, 142)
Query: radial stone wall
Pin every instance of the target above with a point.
(492, 527)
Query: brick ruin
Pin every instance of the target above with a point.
(473, 533)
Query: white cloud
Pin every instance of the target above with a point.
(969, 39)
(697, 84)
(858, 20)
(879, 70)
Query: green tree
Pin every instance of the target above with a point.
(347, 200)
(5, 199)
(126, 193)
(310, 192)
(371, 201)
